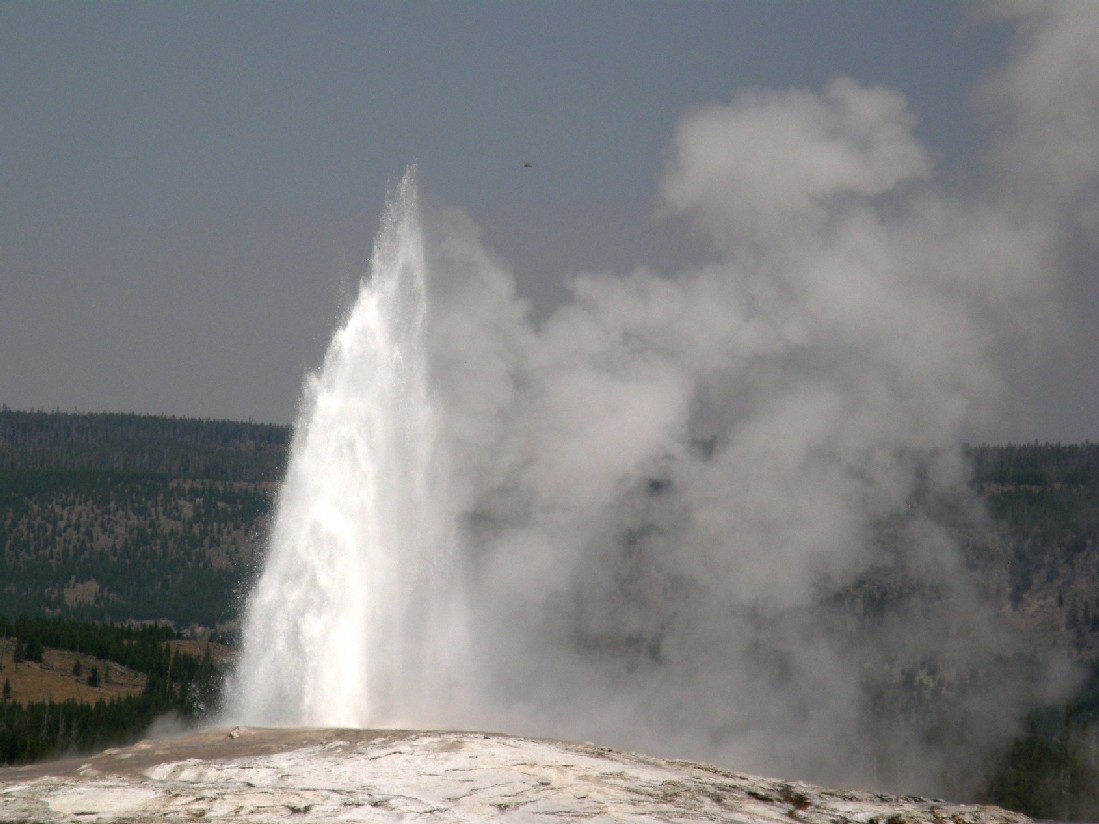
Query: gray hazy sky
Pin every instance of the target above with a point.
(188, 190)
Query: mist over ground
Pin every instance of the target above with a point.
(715, 513)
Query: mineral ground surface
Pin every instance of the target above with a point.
(315, 775)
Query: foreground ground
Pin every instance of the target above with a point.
(314, 775)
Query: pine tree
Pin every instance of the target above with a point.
(34, 650)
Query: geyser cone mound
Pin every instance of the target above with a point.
(325, 775)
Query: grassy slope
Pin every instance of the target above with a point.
(53, 678)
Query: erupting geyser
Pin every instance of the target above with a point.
(712, 514)
(353, 620)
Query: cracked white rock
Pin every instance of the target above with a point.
(315, 775)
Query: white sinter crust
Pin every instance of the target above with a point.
(315, 775)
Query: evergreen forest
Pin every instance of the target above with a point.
(165, 681)
(130, 517)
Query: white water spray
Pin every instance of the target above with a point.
(351, 623)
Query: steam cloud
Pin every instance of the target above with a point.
(716, 514)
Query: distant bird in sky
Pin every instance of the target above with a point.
(528, 165)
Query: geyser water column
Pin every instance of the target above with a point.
(353, 621)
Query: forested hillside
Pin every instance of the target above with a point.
(119, 517)
(130, 517)
(1043, 545)
(76, 687)
(144, 444)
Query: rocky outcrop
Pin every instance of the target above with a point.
(254, 775)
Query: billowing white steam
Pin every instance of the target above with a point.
(712, 515)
